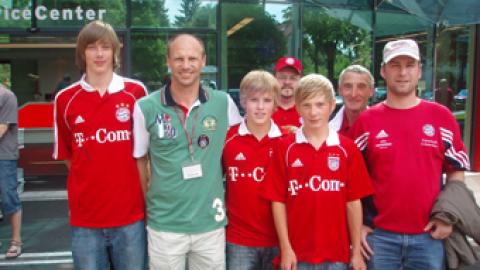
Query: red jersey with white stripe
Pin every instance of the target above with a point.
(288, 117)
(250, 220)
(95, 133)
(315, 186)
(405, 151)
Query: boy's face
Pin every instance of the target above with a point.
(259, 107)
(316, 111)
(99, 57)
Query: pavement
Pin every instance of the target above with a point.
(46, 233)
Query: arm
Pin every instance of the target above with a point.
(142, 165)
(3, 129)
(67, 163)
(288, 258)
(354, 220)
(438, 228)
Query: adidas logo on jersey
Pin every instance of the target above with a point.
(240, 156)
(79, 120)
(382, 134)
(297, 163)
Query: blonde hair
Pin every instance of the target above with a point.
(258, 81)
(313, 85)
(91, 33)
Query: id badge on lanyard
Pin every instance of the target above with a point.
(191, 169)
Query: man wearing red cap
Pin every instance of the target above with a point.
(288, 71)
(406, 143)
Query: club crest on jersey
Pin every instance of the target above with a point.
(165, 128)
(123, 112)
(209, 123)
(333, 163)
(428, 130)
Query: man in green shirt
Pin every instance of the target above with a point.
(179, 131)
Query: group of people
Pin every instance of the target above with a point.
(146, 188)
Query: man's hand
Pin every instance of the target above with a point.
(357, 262)
(367, 251)
(438, 229)
(289, 260)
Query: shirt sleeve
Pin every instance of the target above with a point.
(62, 146)
(456, 158)
(233, 114)
(359, 134)
(141, 136)
(275, 187)
(8, 110)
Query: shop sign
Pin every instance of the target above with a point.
(42, 13)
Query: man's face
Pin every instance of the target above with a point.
(355, 90)
(259, 108)
(288, 79)
(401, 75)
(186, 60)
(99, 57)
(316, 111)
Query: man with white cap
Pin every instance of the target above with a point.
(406, 143)
(288, 71)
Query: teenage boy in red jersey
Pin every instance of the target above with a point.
(251, 238)
(93, 135)
(315, 183)
(406, 142)
(288, 71)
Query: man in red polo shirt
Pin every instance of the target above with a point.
(315, 182)
(356, 87)
(288, 71)
(93, 135)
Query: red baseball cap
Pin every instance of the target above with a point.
(288, 61)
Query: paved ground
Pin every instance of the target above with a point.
(46, 232)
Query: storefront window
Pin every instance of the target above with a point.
(254, 36)
(174, 13)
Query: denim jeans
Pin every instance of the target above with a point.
(393, 251)
(126, 245)
(250, 258)
(8, 187)
(322, 266)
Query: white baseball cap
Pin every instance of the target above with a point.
(407, 47)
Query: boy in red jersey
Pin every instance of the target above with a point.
(93, 135)
(251, 238)
(315, 184)
(406, 143)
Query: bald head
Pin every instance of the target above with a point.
(184, 37)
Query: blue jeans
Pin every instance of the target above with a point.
(126, 244)
(393, 251)
(322, 266)
(8, 187)
(250, 258)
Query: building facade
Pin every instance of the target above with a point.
(37, 44)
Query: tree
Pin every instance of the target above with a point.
(189, 8)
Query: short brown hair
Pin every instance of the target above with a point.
(258, 81)
(91, 33)
(313, 85)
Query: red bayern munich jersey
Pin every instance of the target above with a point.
(315, 186)
(288, 117)
(405, 151)
(250, 220)
(95, 133)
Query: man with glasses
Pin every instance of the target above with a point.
(288, 71)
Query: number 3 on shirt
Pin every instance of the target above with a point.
(218, 205)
